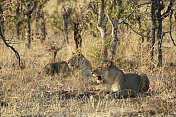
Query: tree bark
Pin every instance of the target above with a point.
(3, 37)
(43, 29)
(29, 30)
(30, 7)
(66, 28)
(114, 31)
(153, 16)
(66, 14)
(102, 28)
(159, 34)
(115, 40)
(18, 22)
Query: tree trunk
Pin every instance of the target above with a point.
(29, 30)
(159, 34)
(66, 29)
(66, 15)
(43, 30)
(3, 37)
(153, 16)
(18, 22)
(115, 40)
(30, 7)
(175, 21)
(102, 28)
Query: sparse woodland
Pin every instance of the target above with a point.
(138, 36)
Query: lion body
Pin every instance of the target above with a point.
(133, 81)
(112, 79)
(78, 63)
(60, 68)
(139, 83)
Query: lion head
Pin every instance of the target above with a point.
(102, 70)
(75, 60)
(79, 63)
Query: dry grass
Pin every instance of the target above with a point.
(29, 93)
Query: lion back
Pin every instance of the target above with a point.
(133, 81)
(144, 86)
(60, 68)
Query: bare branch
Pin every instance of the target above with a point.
(165, 14)
(135, 30)
(109, 19)
(170, 32)
(134, 10)
(3, 38)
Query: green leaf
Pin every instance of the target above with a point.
(14, 3)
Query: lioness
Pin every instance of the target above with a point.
(114, 80)
(60, 68)
(110, 77)
(79, 63)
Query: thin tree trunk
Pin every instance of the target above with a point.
(3, 37)
(29, 10)
(114, 30)
(175, 21)
(115, 40)
(153, 16)
(102, 28)
(65, 16)
(159, 36)
(66, 29)
(43, 30)
(29, 30)
(18, 22)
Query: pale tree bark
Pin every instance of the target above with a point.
(115, 40)
(114, 31)
(102, 28)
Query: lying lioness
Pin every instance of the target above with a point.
(113, 79)
(60, 68)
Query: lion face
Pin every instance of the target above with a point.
(78, 63)
(101, 71)
(74, 62)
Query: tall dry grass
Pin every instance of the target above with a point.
(29, 93)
